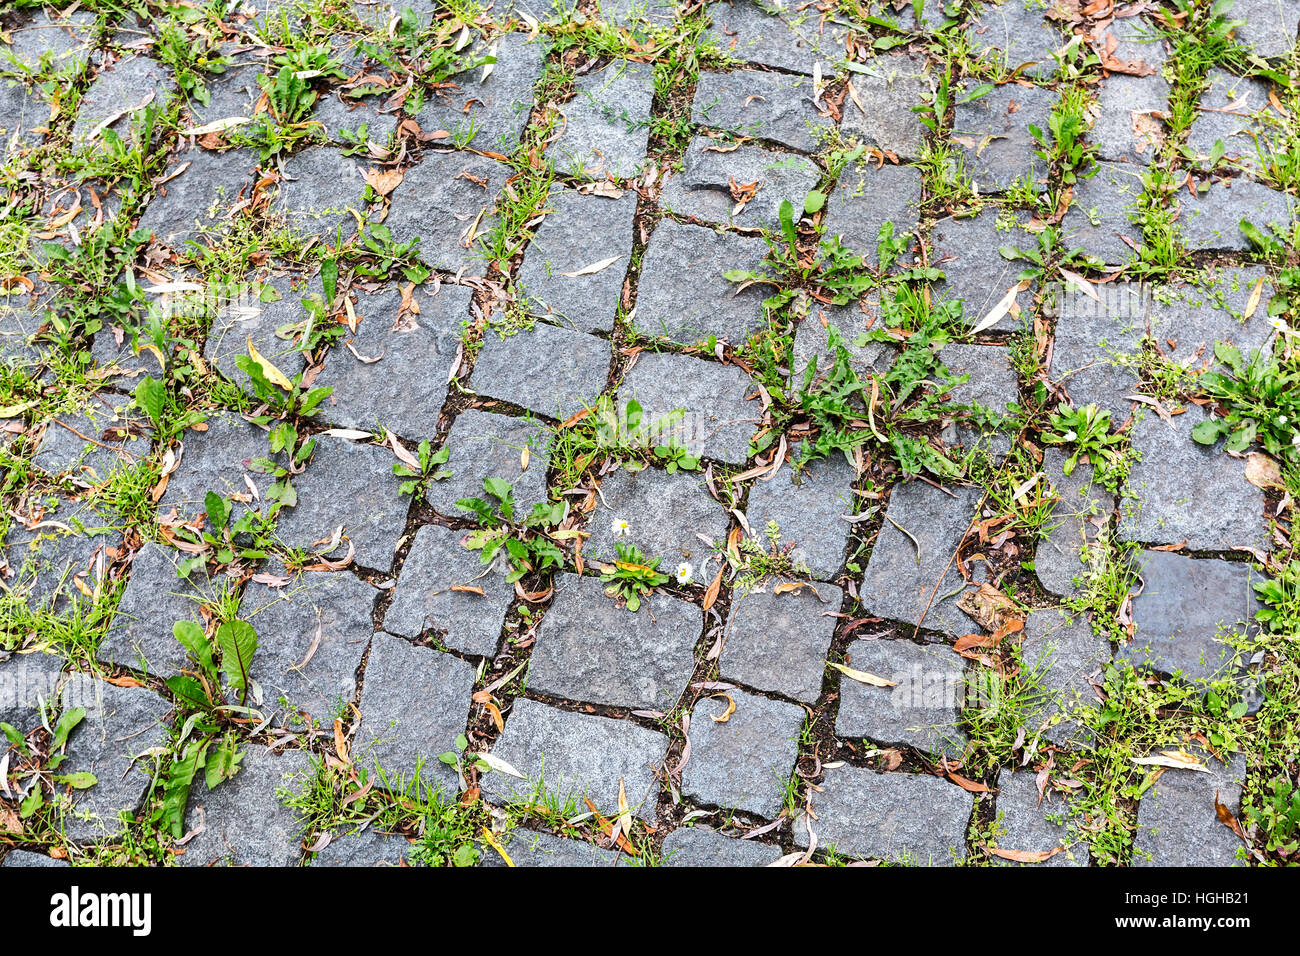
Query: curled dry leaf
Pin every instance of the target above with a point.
(726, 715)
(862, 677)
(1173, 759)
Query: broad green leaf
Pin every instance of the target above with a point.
(196, 642)
(238, 642)
(151, 395)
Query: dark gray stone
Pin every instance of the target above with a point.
(258, 308)
(1183, 492)
(321, 617)
(64, 559)
(1034, 824)
(218, 460)
(489, 114)
(769, 106)
(991, 384)
(346, 122)
(632, 15)
(1064, 656)
(1097, 347)
(809, 507)
(442, 202)
(578, 232)
(606, 125)
(29, 858)
(232, 94)
(702, 190)
(122, 90)
(1230, 111)
(1268, 27)
(684, 295)
(775, 34)
(920, 710)
(200, 190)
(865, 198)
(699, 846)
(888, 94)
(1137, 42)
(120, 724)
(244, 820)
(21, 114)
(742, 762)
(1186, 320)
(322, 192)
(530, 848)
(1184, 605)
(1009, 35)
(349, 485)
(424, 600)
(60, 43)
(812, 341)
(1212, 220)
(28, 682)
(1128, 127)
(590, 649)
(1178, 822)
(398, 738)
(393, 370)
(378, 14)
(720, 413)
(993, 132)
(665, 514)
(19, 327)
(482, 444)
(1080, 508)
(902, 576)
(548, 370)
(574, 756)
(911, 818)
(103, 437)
(370, 848)
(974, 271)
(118, 362)
(1100, 217)
(779, 642)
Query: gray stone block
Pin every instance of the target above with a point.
(779, 642)
(530, 848)
(1177, 819)
(1033, 824)
(776, 34)
(993, 132)
(865, 198)
(607, 124)
(104, 436)
(64, 559)
(322, 193)
(1008, 35)
(482, 444)
(809, 507)
(665, 516)
(370, 848)
(258, 308)
(888, 94)
(219, 460)
(29, 682)
(119, 94)
(447, 203)
(702, 190)
(1081, 506)
(195, 201)
(346, 121)
(700, 846)
(812, 340)
(1101, 215)
(1268, 27)
(1128, 127)
(991, 384)
(1064, 656)
(1212, 220)
(974, 271)
(767, 106)
(29, 858)
(552, 371)
(1229, 111)
(63, 43)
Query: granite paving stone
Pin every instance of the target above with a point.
(578, 233)
(530, 848)
(370, 848)
(776, 34)
(483, 444)
(1268, 27)
(812, 341)
(393, 370)
(991, 384)
(920, 709)
(62, 43)
(590, 649)
(446, 202)
(105, 435)
(63, 558)
(974, 271)
(219, 459)
(1128, 126)
(1010, 34)
(1188, 318)
(1100, 218)
(264, 308)
(721, 405)
(414, 704)
(118, 95)
(1065, 656)
(577, 755)
(703, 189)
(1234, 110)
(1098, 346)
(865, 198)
(20, 327)
(1082, 505)
(552, 371)
(1186, 609)
(22, 114)
(767, 106)
(232, 94)
(993, 131)
(1212, 220)
(1136, 41)
(779, 642)
(322, 192)
(902, 578)
(810, 508)
(743, 762)
(196, 200)
(700, 846)
(907, 817)
(423, 599)
(378, 14)
(606, 125)
(349, 122)
(244, 821)
(30, 858)
(28, 682)
(1177, 819)
(881, 115)
(665, 516)
(1035, 824)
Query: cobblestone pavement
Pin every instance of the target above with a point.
(632, 433)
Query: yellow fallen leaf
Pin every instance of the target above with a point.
(726, 715)
(862, 677)
(1176, 759)
(273, 374)
(492, 842)
(1253, 302)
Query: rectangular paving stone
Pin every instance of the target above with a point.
(767, 106)
(21, 115)
(120, 723)
(684, 294)
(1184, 493)
(244, 821)
(779, 642)
(1178, 822)
(414, 704)
(664, 516)
(1100, 217)
(991, 384)
(351, 485)
(1033, 824)
(1065, 656)
(552, 371)
(1212, 220)
(920, 710)
(1008, 35)
(530, 848)
(1098, 345)
(865, 198)
(1081, 505)
(578, 232)
(322, 193)
(29, 858)
(62, 559)
(572, 756)
(700, 846)
(812, 341)
(129, 84)
(347, 122)
(809, 507)
(424, 600)
(721, 412)
(28, 682)
(261, 307)
(911, 818)
(607, 124)
(590, 649)
(483, 444)
(1128, 127)
(776, 34)
(106, 435)
(312, 634)
(901, 578)
(743, 762)
(974, 271)
(1184, 605)
(703, 189)
(196, 200)
(993, 132)
(1188, 318)
(393, 370)
(1269, 27)
(1234, 110)
(370, 848)
(219, 459)
(446, 201)
(895, 85)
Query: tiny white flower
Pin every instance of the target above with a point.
(683, 573)
(1070, 435)
(1281, 419)
(621, 527)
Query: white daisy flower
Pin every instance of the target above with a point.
(1070, 435)
(621, 527)
(683, 573)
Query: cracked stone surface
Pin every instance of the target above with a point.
(903, 578)
(765, 106)
(974, 271)
(993, 132)
(483, 444)
(700, 846)
(775, 34)
(779, 642)
(27, 680)
(424, 600)
(552, 371)
(492, 111)
(744, 762)
(577, 755)
(1230, 111)
(1065, 656)
(1080, 507)
(1034, 824)
(684, 295)
(1007, 35)
(865, 198)
(702, 190)
(1177, 818)
(128, 85)
(890, 816)
(990, 384)
(606, 124)
(884, 119)
(106, 435)
(1100, 218)
(590, 649)
(580, 232)
(919, 711)
(810, 508)
(1210, 221)
(197, 200)
(446, 202)
(666, 516)
(402, 739)
(721, 415)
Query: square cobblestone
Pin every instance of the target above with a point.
(889, 92)
(1033, 824)
(529, 848)
(810, 508)
(1129, 127)
(201, 189)
(29, 682)
(865, 198)
(105, 436)
(1100, 218)
(258, 308)
(483, 444)
(64, 41)
(1212, 220)
(779, 642)
(219, 459)
(665, 514)
(1231, 110)
(702, 190)
(321, 193)
(446, 202)
(974, 270)
(607, 124)
(992, 384)
(370, 848)
(776, 34)
(1008, 35)
(1268, 27)
(552, 371)
(1178, 822)
(64, 559)
(1066, 657)
(993, 131)
(766, 106)
(127, 85)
